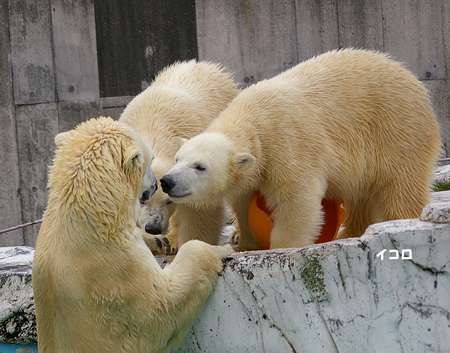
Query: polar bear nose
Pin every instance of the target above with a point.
(153, 228)
(145, 196)
(167, 183)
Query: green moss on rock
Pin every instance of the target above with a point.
(313, 276)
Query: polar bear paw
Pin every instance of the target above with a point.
(158, 244)
(234, 237)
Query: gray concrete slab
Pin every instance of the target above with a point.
(10, 206)
(317, 27)
(75, 50)
(37, 126)
(73, 113)
(360, 24)
(416, 32)
(6, 97)
(32, 52)
(114, 106)
(440, 100)
(256, 40)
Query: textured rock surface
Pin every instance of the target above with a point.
(442, 174)
(337, 297)
(388, 291)
(17, 318)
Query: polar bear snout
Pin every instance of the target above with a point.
(148, 187)
(153, 228)
(174, 186)
(167, 183)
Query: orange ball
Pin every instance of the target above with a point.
(261, 224)
(259, 219)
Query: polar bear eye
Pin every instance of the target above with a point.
(136, 159)
(169, 202)
(200, 167)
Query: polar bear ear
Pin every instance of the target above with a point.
(181, 140)
(60, 139)
(134, 158)
(244, 161)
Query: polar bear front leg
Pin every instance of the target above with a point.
(296, 223)
(200, 222)
(172, 235)
(191, 277)
(246, 241)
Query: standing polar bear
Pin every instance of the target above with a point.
(348, 124)
(180, 103)
(97, 286)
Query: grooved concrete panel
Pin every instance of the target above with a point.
(242, 36)
(53, 48)
(440, 100)
(32, 54)
(37, 126)
(10, 208)
(416, 32)
(255, 39)
(317, 27)
(327, 25)
(73, 25)
(360, 24)
(73, 113)
(114, 106)
(6, 97)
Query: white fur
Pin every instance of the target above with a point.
(181, 102)
(348, 124)
(97, 287)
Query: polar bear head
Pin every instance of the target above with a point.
(100, 171)
(155, 213)
(208, 169)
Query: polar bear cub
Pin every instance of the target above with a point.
(348, 124)
(181, 102)
(97, 286)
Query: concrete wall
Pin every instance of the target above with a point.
(49, 73)
(48, 84)
(258, 39)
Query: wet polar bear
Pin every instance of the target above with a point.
(181, 102)
(97, 286)
(349, 124)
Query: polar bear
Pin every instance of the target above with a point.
(97, 286)
(348, 124)
(180, 103)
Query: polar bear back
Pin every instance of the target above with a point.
(183, 99)
(355, 114)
